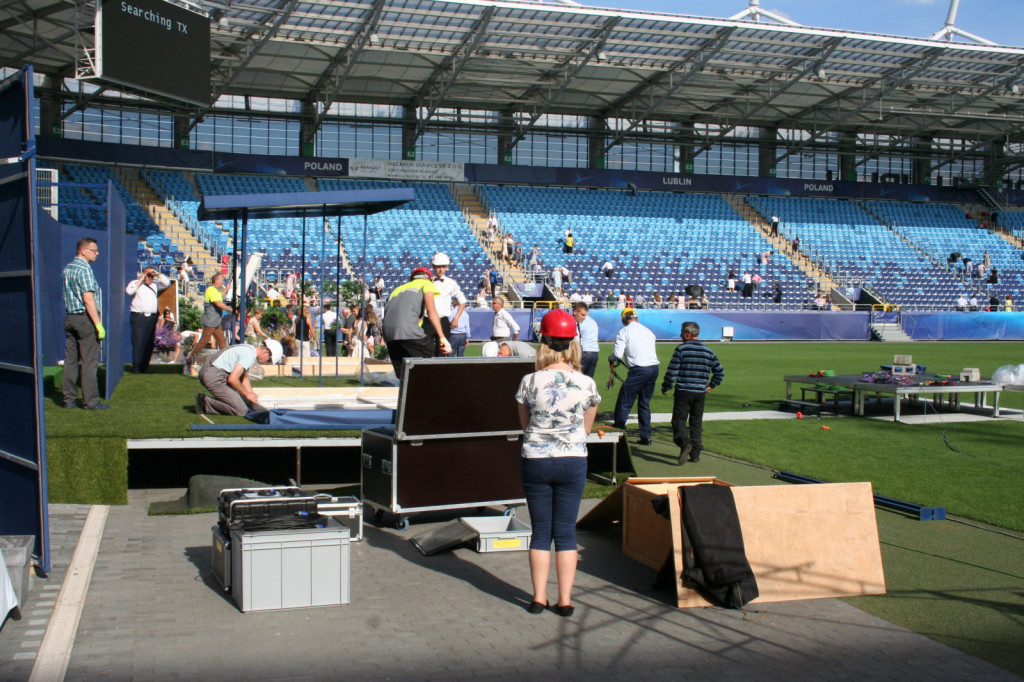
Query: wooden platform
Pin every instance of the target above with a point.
(327, 398)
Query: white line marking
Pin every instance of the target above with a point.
(55, 651)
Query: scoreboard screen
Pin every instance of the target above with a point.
(154, 46)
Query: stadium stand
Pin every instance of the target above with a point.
(660, 242)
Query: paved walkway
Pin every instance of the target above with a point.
(154, 612)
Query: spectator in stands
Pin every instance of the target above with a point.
(775, 225)
(587, 297)
(509, 251)
(756, 280)
(183, 277)
(777, 294)
(993, 303)
(748, 285)
(534, 257)
(972, 305)
(680, 301)
(305, 332)
(730, 281)
(517, 255)
(796, 245)
(289, 285)
(1008, 304)
(961, 303)
(556, 278)
(608, 269)
(273, 295)
(213, 308)
(481, 298)
(657, 301)
(378, 287)
(820, 302)
(993, 275)
(766, 257)
(494, 279)
(569, 243)
(503, 326)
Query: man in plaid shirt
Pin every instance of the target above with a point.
(83, 327)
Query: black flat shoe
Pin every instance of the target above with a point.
(537, 607)
(565, 611)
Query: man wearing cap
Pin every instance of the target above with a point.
(694, 370)
(507, 349)
(635, 346)
(587, 334)
(145, 291)
(402, 326)
(225, 374)
(450, 291)
(503, 325)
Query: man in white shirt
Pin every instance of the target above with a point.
(145, 292)
(450, 291)
(587, 334)
(328, 318)
(503, 326)
(635, 346)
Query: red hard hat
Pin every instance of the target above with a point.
(421, 271)
(558, 324)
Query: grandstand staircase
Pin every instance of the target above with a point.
(890, 332)
(166, 220)
(476, 215)
(821, 278)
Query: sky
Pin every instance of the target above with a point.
(1000, 21)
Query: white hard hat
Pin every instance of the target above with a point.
(276, 350)
(490, 349)
(440, 259)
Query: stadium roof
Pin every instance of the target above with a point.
(532, 59)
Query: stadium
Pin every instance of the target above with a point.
(817, 199)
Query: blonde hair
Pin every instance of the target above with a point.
(548, 356)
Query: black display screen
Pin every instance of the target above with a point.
(154, 46)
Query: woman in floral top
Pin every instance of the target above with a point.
(557, 406)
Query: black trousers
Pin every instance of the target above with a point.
(588, 362)
(688, 420)
(446, 327)
(143, 337)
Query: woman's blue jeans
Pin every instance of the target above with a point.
(554, 488)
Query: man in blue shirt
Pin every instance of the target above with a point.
(694, 370)
(587, 329)
(83, 327)
(635, 345)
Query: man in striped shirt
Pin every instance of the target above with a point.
(694, 370)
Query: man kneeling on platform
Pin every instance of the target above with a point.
(225, 374)
(508, 349)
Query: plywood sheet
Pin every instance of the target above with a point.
(802, 542)
(326, 398)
